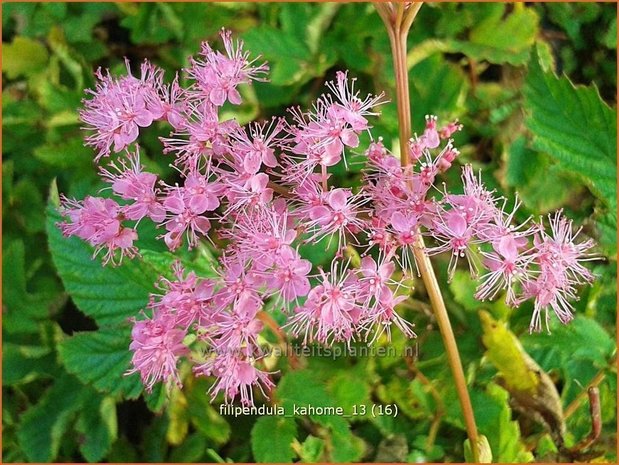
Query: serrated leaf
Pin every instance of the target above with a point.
(108, 294)
(503, 434)
(102, 358)
(607, 230)
(574, 341)
(575, 127)
(43, 425)
(271, 439)
(517, 34)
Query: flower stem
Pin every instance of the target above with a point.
(398, 18)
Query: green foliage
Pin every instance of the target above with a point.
(518, 30)
(98, 425)
(66, 395)
(24, 57)
(101, 358)
(43, 426)
(504, 433)
(93, 286)
(271, 439)
(574, 126)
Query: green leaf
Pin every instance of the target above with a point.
(98, 426)
(67, 154)
(204, 416)
(517, 34)
(108, 294)
(283, 50)
(23, 56)
(442, 95)
(271, 439)
(312, 449)
(607, 229)
(574, 341)
(463, 289)
(191, 450)
(290, 59)
(23, 310)
(349, 389)
(502, 433)
(102, 358)
(43, 426)
(149, 24)
(541, 184)
(610, 38)
(302, 389)
(575, 127)
(22, 364)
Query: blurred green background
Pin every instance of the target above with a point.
(491, 65)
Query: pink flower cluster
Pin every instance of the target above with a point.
(264, 190)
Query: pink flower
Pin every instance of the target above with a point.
(382, 315)
(506, 267)
(173, 104)
(430, 138)
(404, 227)
(119, 107)
(251, 193)
(239, 327)
(200, 138)
(236, 375)
(186, 300)
(130, 182)
(331, 311)
(186, 210)
(259, 149)
(218, 75)
(99, 221)
(157, 346)
(559, 259)
(375, 277)
(349, 107)
(454, 234)
(449, 129)
(261, 235)
(290, 275)
(338, 214)
(239, 284)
